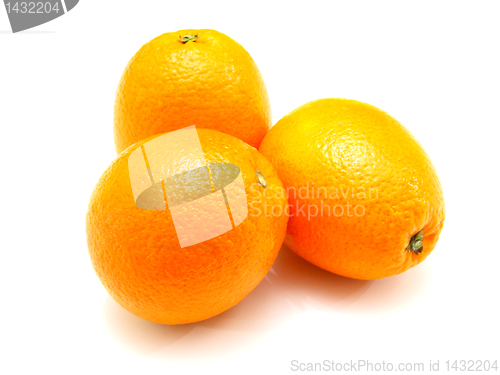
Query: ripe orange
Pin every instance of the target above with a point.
(191, 77)
(365, 199)
(137, 255)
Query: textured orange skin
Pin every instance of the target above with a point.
(137, 256)
(211, 82)
(348, 144)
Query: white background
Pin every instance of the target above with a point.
(432, 65)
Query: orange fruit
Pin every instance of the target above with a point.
(191, 77)
(365, 199)
(136, 252)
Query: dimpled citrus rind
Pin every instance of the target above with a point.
(211, 82)
(137, 256)
(365, 159)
